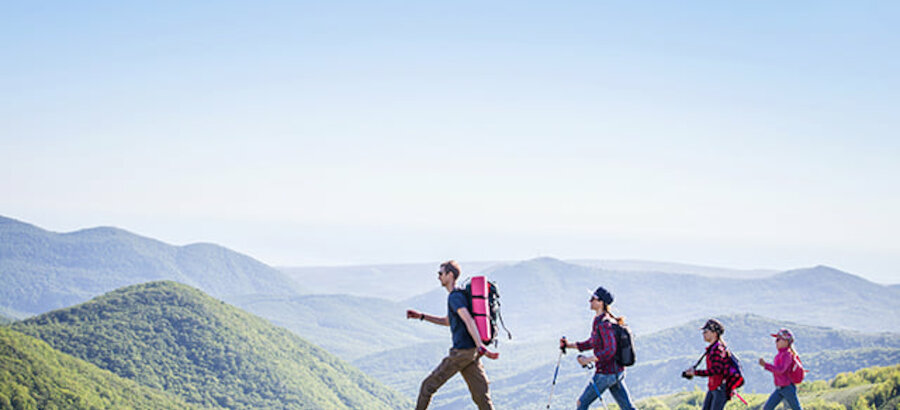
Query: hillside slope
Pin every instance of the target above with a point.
(873, 388)
(43, 270)
(33, 375)
(173, 337)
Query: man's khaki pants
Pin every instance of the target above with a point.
(464, 361)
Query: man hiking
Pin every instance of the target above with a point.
(467, 345)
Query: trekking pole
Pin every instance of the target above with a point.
(562, 351)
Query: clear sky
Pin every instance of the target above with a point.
(744, 134)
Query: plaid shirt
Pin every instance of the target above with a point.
(603, 342)
(716, 365)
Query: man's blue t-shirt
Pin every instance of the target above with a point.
(461, 337)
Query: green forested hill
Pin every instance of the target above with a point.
(873, 388)
(34, 376)
(173, 337)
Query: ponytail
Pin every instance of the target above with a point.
(619, 319)
(793, 351)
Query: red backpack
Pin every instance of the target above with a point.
(796, 372)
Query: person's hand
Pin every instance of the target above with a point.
(412, 314)
(690, 372)
(563, 343)
(487, 353)
(584, 360)
(762, 362)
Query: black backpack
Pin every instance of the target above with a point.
(493, 308)
(624, 345)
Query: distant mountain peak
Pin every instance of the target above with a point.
(102, 231)
(819, 271)
(544, 260)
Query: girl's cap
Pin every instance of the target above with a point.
(714, 325)
(784, 334)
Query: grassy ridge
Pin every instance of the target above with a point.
(34, 376)
(173, 337)
(873, 388)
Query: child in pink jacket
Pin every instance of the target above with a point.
(781, 367)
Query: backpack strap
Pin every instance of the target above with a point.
(698, 361)
(500, 316)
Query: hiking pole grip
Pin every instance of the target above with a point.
(563, 343)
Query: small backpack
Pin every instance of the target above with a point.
(493, 308)
(734, 376)
(797, 372)
(624, 345)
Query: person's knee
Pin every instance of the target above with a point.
(428, 387)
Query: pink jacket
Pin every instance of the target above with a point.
(781, 366)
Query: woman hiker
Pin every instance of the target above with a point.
(781, 368)
(608, 374)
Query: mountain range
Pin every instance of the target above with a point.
(548, 296)
(172, 337)
(44, 270)
(357, 313)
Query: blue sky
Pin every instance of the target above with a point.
(737, 134)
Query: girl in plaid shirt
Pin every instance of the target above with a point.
(716, 366)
